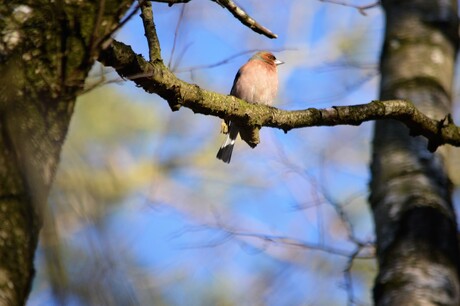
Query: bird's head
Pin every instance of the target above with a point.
(267, 57)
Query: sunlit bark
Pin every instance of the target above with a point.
(411, 201)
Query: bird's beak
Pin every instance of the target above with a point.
(278, 62)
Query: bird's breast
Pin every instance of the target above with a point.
(256, 84)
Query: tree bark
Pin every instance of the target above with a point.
(46, 51)
(415, 222)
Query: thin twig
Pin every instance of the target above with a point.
(361, 8)
(236, 11)
(180, 57)
(245, 19)
(227, 60)
(225, 235)
(300, 244)
(176, 34)
(348, 278)
(106, 38)
(93, 44)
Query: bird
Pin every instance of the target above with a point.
(255, 82)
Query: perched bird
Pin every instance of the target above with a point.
(255, 82)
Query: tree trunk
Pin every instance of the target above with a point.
(46, 51)
(415, 222)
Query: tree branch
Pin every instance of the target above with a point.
(172, 2)
(237, 12)
(154, 77)
(245, 19)
(150, 31)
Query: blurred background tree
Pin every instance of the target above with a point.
(141, 212)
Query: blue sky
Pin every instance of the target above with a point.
(174, 225)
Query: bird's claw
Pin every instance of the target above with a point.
(224, 127)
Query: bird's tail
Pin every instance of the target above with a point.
(225, 151)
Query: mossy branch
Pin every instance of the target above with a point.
(154, 77)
